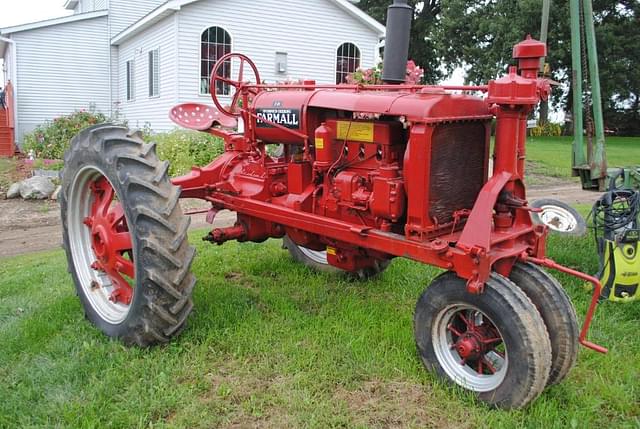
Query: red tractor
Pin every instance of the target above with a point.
(364, 175)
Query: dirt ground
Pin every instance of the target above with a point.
(32, 226)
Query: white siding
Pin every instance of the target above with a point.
(144, 109)
(90, 6)
(123, 13)
(60, 69)
(310, 31)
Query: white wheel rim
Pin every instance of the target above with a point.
(97, 286)
(450, 360)
(558, 218)
(317, 256)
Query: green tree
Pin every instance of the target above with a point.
(479, 36)
(423, 48)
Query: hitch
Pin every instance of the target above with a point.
(220, 235)
(597, 288)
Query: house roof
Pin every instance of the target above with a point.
(71, 4)
(55, 21)
(171, 6)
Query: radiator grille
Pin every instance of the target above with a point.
(457, 168)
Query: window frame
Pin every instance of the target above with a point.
(130, 77)
(337, 57)
(201, 59)
(153, 73)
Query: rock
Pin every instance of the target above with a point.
(36, 188)
(52, 174)
(14, 191)
(56, 193)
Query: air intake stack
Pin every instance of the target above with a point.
(396, 49)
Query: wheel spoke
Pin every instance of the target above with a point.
(491, 340)
(103, 194)
(451, 328)
(121, 241)
(234, 101)
(117, 212)
(122, 291)
(125, 267)
(468, 322)
(227, 81)
(241, 71)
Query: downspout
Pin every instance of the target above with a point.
(14, 82)
(110, 59)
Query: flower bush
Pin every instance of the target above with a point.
(373, 76)
(184, 149)
(550, 129)
(51, 139)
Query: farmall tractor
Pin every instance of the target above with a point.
(365, 174)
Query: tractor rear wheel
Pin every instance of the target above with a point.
(494, 344)
(125, 237)
(558, 314)
(317, 260)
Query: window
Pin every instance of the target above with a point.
(130, 80)
(348, 61)
(154, 71)
(281, 62)
(215, 42)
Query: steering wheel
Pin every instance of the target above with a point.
(239, 84)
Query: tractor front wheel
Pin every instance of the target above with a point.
(125, 237)
(558, 314)
(494, 344)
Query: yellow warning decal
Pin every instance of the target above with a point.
(331, 250)
(358, 131)
(319, 143)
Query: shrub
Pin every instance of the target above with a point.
(374, 76)
(51, 139)
(550, 129)
(184, 149)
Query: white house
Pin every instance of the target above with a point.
(137, 59)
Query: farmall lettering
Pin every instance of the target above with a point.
(363, 174)
(288, 118)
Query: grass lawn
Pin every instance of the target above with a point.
(7, 168)
(551, 156)
(272, 344)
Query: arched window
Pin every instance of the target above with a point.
(348, 61)
(215, 42)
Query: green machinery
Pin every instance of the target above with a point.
(616, 215)
(592, 167)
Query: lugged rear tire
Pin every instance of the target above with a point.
(494, 344)
(162, 284)
(558, 314)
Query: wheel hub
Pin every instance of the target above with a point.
(468, 347)
(100, 243)
(476, 342)
(110, 240)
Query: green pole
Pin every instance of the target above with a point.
(544, 27)
(576, 85)
(599, 167)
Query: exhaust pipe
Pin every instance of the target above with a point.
(396, 48)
